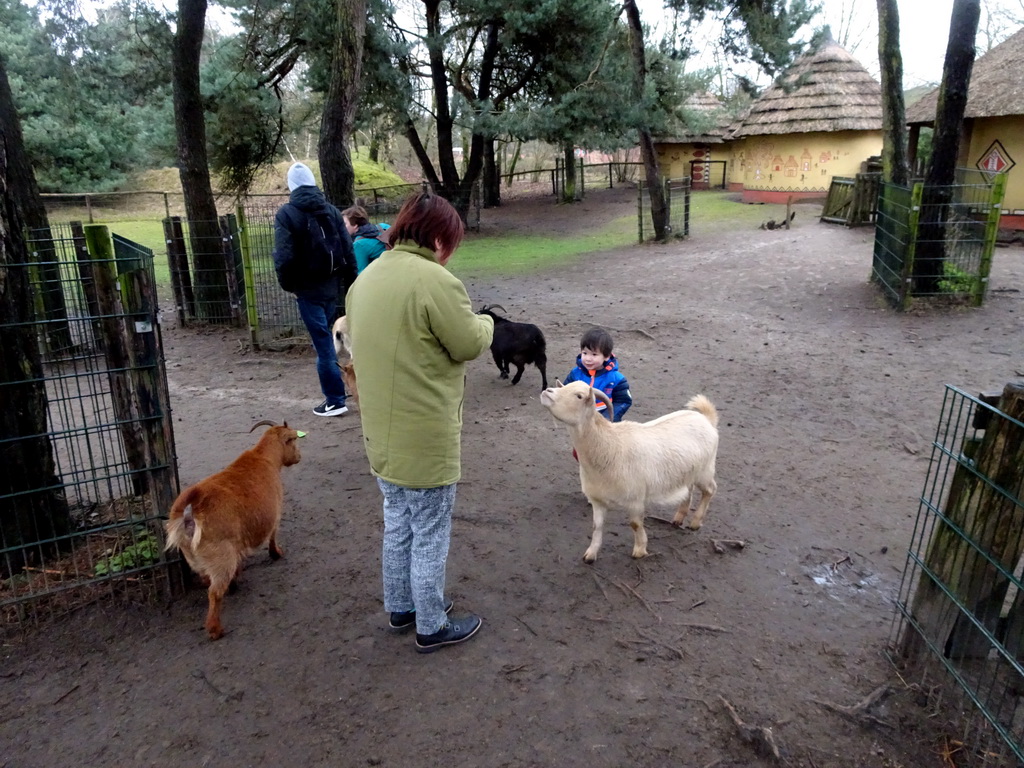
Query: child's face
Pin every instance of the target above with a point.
(592, 358)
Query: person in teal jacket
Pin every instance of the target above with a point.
(413, 329)
(368, 240)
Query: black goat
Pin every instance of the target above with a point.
(518, 344)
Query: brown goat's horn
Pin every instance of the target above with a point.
(263, 423)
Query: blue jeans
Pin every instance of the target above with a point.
(417, 531)
(316, 314)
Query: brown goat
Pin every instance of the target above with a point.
(221, 520)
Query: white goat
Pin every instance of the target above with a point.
(341, 337)
(628, 465)
(343, 341)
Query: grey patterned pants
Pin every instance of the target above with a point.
(417, 530)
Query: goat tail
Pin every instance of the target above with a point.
(183, 530)
(702, 405)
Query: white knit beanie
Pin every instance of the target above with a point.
(299, 175)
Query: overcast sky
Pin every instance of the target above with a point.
(924, 30)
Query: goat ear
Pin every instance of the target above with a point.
(558, 383)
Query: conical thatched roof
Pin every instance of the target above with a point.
(714, 121)
(997, 85)
(827, 90)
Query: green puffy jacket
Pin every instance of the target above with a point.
(412, 329)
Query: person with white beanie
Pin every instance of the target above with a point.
(314, 259)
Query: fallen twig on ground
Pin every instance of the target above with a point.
(628, 590)
(695, 625)
(67, 693)
(759, 736)
(601, 587)
(860, 712)
(719, 545)
(661, 644)
(526, 625)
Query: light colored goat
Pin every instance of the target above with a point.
(343, 342)
(629, 465)
(224, 518)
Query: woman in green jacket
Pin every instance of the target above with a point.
(413, 329)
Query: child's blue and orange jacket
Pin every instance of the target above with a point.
(609, 380)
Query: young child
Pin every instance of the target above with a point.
(598, 367)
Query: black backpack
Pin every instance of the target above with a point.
(319, 252)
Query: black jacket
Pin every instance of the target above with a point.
(289, 229)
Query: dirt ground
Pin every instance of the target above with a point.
(828, 400)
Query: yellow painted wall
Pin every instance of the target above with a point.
(1009, 132)
(737, 156)
(674, 159)
(802, 162)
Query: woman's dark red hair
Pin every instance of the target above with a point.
(430, 221)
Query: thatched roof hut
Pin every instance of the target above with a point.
(996, 90)
(824, 91)
(710, 124)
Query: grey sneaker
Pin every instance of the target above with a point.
(326, 409)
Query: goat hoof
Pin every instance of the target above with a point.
(215, 633)
(276, 553)
(640, 554)
(589, 558)
(694, 526)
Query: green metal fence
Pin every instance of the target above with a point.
(937, 242)
(677, 200)
(88, 466)
(960, 608)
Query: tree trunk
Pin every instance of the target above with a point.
(569, 161)
(659, 211)
(929, 264)
(449, 180)
(894, 129)
(190, 127)
(492, 175)
(26, 453)
(25, 191)
(511, 169)
(342, 98)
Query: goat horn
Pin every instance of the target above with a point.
(263, 423)
(498, 306)
(603, 398)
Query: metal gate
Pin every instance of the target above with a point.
(89, 467)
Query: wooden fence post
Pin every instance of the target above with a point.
(986, 526)
(149, 386)
(991, 231)
(115, 346)
(249, 276)
(84, 260)
(913, 222)
(232, 262)
(181, 277)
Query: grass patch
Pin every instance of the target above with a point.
(517, 254)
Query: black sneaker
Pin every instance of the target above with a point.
(404, 619)
(453, 632)
(326, 409)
